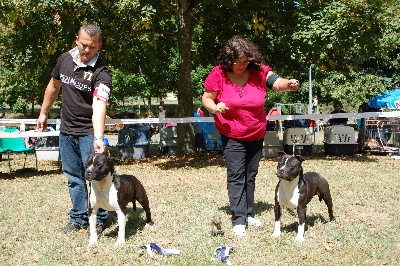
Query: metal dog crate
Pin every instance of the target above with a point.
(386, 131)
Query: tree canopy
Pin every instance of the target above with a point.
(160, 46)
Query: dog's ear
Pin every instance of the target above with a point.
(107, 152)
(90, 157)
(301, 158)
(281, 154)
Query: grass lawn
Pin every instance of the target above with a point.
(184, 193)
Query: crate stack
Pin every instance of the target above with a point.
(168, 141)
(271, 145)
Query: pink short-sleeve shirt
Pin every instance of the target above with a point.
(246, 117)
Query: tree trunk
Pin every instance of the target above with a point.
(33, 108)
(185, 95)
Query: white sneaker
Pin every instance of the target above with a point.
(253, 221)
(239, 230)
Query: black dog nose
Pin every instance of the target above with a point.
(88, 174)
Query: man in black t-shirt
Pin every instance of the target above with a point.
(86, 83)
(338, 109)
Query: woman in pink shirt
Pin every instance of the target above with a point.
(235, 93)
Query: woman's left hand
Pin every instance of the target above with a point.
(293, 85)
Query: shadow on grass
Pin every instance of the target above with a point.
(259, 207)
(310, 222)
(27, 172)
(196, 160)
(206, 159)
(134, 223)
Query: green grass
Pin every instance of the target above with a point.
(184, 193)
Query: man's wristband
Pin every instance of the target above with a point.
(99, 137)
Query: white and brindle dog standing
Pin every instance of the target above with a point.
(295, 190)
(112, 192)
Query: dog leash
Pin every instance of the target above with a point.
(163, 251)
(295, 139)
(294, 134)
(224, 255)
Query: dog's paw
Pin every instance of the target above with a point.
(299, 239)
(148, 225)
(275, 234)
(92, 240)
(92, 243)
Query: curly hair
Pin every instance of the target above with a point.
(236, 47)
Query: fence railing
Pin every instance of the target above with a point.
(110, 122)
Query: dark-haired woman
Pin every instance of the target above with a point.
(235, 93)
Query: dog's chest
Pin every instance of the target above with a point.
(288, 193)
(104, 195)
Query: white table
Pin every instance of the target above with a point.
(27, 134)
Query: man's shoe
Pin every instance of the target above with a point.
(239, 230)
(99, 229)
(253, 221)
(71, 227)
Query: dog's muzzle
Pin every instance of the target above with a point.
(282, 175)
(88, 173)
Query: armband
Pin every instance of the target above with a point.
(102, 93)
(271, 80)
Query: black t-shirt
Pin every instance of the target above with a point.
(78, 86)
(335, 121)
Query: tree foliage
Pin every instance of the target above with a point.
(160, 46)
(351, 45)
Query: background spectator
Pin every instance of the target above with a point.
(338, 109)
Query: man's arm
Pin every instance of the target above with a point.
(98, 120)
(50, 96)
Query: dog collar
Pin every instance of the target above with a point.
(113, 176)
(224, 254)
(162, 251)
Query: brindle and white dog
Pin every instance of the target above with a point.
(112, 192)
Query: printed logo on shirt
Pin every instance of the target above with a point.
(74, 83)
(88, 75)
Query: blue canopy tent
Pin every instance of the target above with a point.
(389, 99)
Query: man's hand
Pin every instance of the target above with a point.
(41, 123)
(98, 145)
